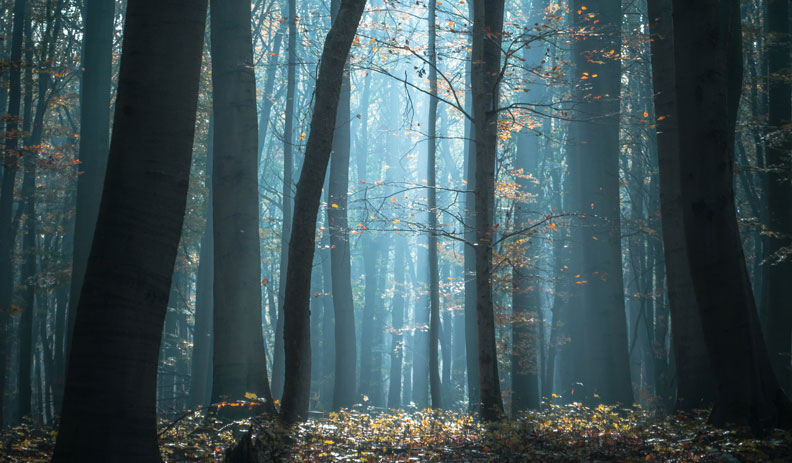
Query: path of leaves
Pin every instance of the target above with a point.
(560, 433)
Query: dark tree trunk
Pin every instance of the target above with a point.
(95, 95)
(10, 168)
(240, 361)
(113, 359)
(695, 387)
(778, 311)
(708, 70)
(287, 199)
(309, 188)
(485, 72)
(345, 381)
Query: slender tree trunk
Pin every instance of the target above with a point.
(129, 271)
(471, 330)
(695, 386)
(397, 329)
(435, 387)
(779, 196)
(345, 382)
(95, 95)
(201, 369)
(707, 49)
(486, 66)
(10, 167)
(309, 188)
(286, 194)
(240, 361)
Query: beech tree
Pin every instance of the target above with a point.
(306, 206)
(708, 73)
(129, 270)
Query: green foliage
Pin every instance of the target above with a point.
(559, 433)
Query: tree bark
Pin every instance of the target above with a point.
(708, 71)
(778, 311)
(435, 387)
(113, 359)
(345, 381)
(309, 188)
(485, 72)
(95, 96)
(240, 361)
(695, 387)
(597, 76)
(10, 167)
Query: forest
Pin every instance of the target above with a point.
(392, 230)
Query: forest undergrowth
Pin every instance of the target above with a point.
(558, 433)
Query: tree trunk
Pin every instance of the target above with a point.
(113, 359)
(708, 70)
(201, 369)
(309, 188)
(95, 96)
(779, 196)
(435, 388)
(345, 381)
(596, 65)
(10, 167)
(397, 329)
(485, 72)
(695, 387)
(286, 194)
(471, 317)
(240, 361)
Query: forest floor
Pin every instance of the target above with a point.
(559, 433)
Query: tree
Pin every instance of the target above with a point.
(708, 72)
(94, 138)
(435, 388)
(240, 361)
(286, 196)
(695, 387)
(779, 195)
(10, 167)
(113, 359)
(306, 206)
(485, 76)
(594, 156)
(344, 388)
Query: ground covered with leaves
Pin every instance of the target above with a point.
(559, 433)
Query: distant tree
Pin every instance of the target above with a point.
(345, 379)
(97, 64)
(287, 200)
(525, 295)
(296, 334)
(435, 387)
(708, 72)
(485, 82)
(240, 361)
(109, 411)
(694, 384)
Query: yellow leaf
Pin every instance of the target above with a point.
(302, 136)
(250, 396)
(334, 206)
